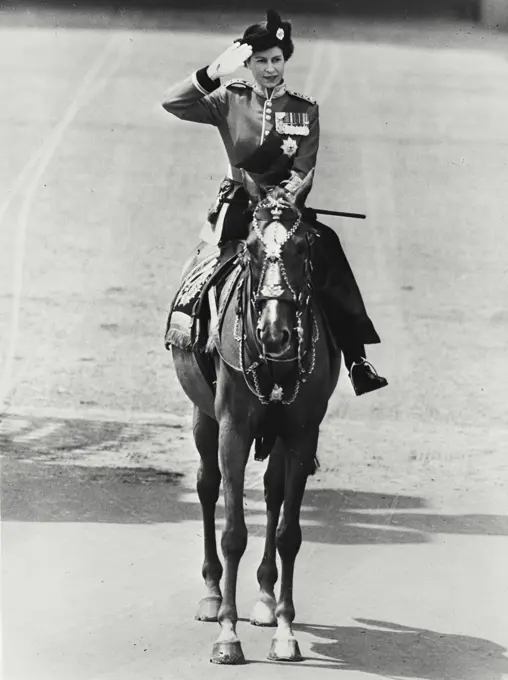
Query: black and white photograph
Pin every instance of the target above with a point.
(253, 339)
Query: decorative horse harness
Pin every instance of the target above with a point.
(274, 284)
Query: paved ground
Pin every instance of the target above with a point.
(401, 574)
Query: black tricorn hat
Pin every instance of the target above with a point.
(270, 33)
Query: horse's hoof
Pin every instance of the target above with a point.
(285, 649)
(229, 653)
(263, 615)
(208, 608)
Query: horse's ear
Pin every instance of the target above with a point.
(304, 189)
(253, 189)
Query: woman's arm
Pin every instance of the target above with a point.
(200, 98)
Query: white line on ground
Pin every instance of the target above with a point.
(32, 173)
(38, 433)
(13, 425)
(329, 80)
(313, 79)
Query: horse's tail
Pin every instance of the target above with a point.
(265, 445)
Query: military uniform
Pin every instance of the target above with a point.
(275, 137)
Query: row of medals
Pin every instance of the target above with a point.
(298, 123)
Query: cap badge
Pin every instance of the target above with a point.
(280, 34)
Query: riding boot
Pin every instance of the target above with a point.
(362, 373)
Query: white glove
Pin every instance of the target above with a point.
(229, 61)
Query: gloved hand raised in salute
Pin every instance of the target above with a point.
(229, 61)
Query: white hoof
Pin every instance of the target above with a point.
(263, 614)
(285, 649)
(208, 608)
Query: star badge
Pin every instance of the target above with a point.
(289, 147)
(277, 393)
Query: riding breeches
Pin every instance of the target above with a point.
(338, 291)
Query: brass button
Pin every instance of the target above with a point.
(267, 116)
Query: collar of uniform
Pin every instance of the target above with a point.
(263, 92)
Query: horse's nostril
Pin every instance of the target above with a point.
(274, 341)
(286, 337)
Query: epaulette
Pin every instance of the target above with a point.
(238, 82)
(306, 98)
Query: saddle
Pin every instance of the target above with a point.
(188, 324)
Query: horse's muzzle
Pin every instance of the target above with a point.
(274, 328)
(275, 342)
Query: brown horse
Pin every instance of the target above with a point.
(275, 370)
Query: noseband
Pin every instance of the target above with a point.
(274, 284)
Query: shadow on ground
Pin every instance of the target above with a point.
(35, 492)
(393, 650)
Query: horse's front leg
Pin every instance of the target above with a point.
(206, 434)
(299, 463)
(264, 610)
(234, 445)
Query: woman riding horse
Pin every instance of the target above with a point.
(273, 133)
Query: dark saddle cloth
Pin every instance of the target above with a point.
(187, 324)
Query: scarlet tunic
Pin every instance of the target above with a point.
(282, 127)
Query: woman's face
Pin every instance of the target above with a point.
(267, 67)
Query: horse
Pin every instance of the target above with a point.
(275, 369)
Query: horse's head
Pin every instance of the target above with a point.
(279, 252)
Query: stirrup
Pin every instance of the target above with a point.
(363, 362)
(368, 380)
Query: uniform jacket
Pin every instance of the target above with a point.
(245, 117)
(276, 139)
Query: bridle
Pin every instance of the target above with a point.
(274, 284)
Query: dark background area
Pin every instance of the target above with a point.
(463, 9)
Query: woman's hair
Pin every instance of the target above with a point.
(270, 33)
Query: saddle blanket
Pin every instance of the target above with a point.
(179, 329)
